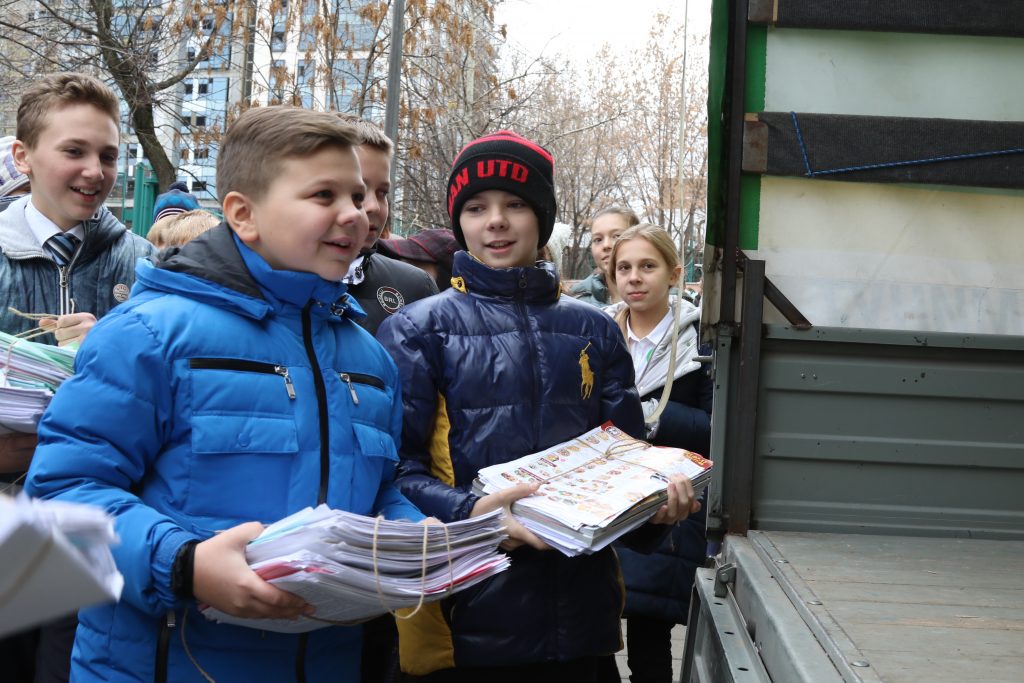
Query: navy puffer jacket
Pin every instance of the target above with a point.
(496, 368)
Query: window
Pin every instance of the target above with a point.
(184, 153)
(277, 39)
(305, 75)
(200, 121)
(202, 153)
(198, 186)
(203, 87)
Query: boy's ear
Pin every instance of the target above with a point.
(239, 214)
(19, 152)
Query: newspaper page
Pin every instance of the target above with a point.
(595, 478)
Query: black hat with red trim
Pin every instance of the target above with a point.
(509, 162)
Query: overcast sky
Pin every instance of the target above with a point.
(578, 28)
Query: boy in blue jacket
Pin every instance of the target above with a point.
(495, 368)
(232, 389)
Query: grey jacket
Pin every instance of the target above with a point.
(591, 290)
(96, 280)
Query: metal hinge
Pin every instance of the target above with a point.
(725, 575)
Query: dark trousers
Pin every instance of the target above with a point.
(649, 647)
(18, 657)
(380, 651)
(585, 670)
(53, 656)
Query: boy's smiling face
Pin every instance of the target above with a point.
(500, 229)
(311, 219)
(73, 165)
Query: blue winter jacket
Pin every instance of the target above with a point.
(221, 392)
(98, 278)
(493, 369)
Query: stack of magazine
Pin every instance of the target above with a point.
(56, 559)
(29, 374)
(352, 568)
(594, 488)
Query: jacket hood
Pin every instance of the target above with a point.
(533, 284)
(687, 346)
(215, 268)
(18, 242)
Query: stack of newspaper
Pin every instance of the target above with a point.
(594, 488)
(352, 568)
(29, 374)
(56, 559)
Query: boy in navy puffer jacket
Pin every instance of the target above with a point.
(492, 369)
(232, 389)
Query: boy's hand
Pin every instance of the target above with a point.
(517, 533)
(681, 503)
(222, 578)
(16, 451)
(69, 328)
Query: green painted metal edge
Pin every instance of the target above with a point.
(715, 234)
(750, 185)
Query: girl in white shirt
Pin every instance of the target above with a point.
(645, 267)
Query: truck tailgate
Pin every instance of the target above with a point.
(865, 608)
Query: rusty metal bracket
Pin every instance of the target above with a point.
(777, 299)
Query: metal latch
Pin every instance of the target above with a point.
(725, 575)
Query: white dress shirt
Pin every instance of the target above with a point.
(43, 228)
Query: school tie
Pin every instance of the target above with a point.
(62, 248)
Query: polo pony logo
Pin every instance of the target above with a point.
(586, 374)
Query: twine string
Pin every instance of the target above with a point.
(188, 652)
(30, 333)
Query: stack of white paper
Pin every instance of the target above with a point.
(55, 559)
(594, 488)
(352, 568)
(29, 374)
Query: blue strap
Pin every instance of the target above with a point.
(891, 164)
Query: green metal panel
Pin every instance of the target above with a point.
(145, 196)
(757, 45)
(890, 432)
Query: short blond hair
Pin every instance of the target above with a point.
(181, 228)
(57, 91)
(262, 138)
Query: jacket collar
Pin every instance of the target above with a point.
(230, 274)
(18, 242)
(299, 289)
(530, 284)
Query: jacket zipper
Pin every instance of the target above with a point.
(163, 642)
(533, 355)
(245, 366)
(325, 462)
(64, 273)
(359, 378)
